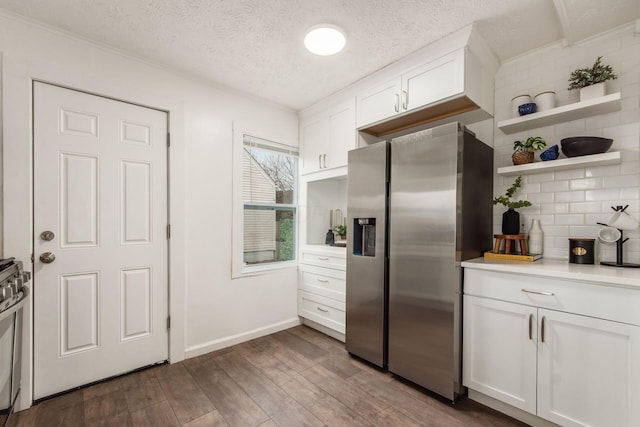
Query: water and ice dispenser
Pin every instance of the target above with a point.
(364, 236)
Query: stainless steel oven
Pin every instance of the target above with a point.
(13, 294)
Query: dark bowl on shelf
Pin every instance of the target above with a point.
(585, 145)
(550, 153)
(528, 108)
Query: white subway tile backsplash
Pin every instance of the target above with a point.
(554, 186)
(570, 219)
(540, 177)
(570, 196)
(570, 174)
(557, 230)
(586, 207)
(629, 193)
(585, 184)
(554, 208)
(602, 171)
(621, 181)
(609, 194)
(571, 202)
(586, 231)
(537, 198)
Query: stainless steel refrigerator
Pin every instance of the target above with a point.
(417, 206)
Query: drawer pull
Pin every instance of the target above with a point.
(323, 281)
(322, 310)
(321, 258)
(530, 291)
(531, 326)
(542, 330)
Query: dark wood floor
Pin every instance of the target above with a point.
(298, 377)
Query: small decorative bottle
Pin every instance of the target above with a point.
(535, 237)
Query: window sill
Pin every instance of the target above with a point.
(259, 270)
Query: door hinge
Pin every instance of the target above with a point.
(168, 231)
(168, 139)
(168, 322)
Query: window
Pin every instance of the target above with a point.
(269, 200)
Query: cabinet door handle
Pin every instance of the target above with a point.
(324, 160)
(405, 99)
(322, 310)
(319, 161)
(323, 281)
(542, 330)
(531, 291)
(531, 326)
(397, 104)
(323, 258)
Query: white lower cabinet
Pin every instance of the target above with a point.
(567, 368)
(499, 358)
(322, 295)
(588, 371)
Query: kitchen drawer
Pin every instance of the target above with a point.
(323, 259)
(585, 298)
(323, 281)
(322, 310)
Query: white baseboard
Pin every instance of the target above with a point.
(516, 413)
(218, 344)
(327, 331)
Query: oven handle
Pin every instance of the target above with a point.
(17, 306)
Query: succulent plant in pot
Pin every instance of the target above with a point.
(511, 218)
(523, 151)
(591, 80)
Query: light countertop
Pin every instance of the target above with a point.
(562, 269)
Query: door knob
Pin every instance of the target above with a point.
(47, 258)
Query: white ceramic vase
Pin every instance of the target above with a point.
(535, 237)
(545, 100)
(593, 91)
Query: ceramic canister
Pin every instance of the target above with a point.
(518, 101)
(545, 100)
(581, 250)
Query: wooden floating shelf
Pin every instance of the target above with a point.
(603, 159)
(578, 110)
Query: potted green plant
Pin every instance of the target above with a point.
(523, 151)
(341, 230)
(591, 80)
(511, 217)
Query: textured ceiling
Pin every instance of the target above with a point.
(256, 46)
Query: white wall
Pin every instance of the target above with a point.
(569, 203)
(209, 309)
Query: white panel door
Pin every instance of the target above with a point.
(100, 187)
(588, 371)
(499, 351)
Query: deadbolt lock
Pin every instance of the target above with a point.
(47, 235)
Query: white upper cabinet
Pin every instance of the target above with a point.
(379, 102)
(452, 84)
(433, 82)
(327, 136)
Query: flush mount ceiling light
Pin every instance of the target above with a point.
(324, 39)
